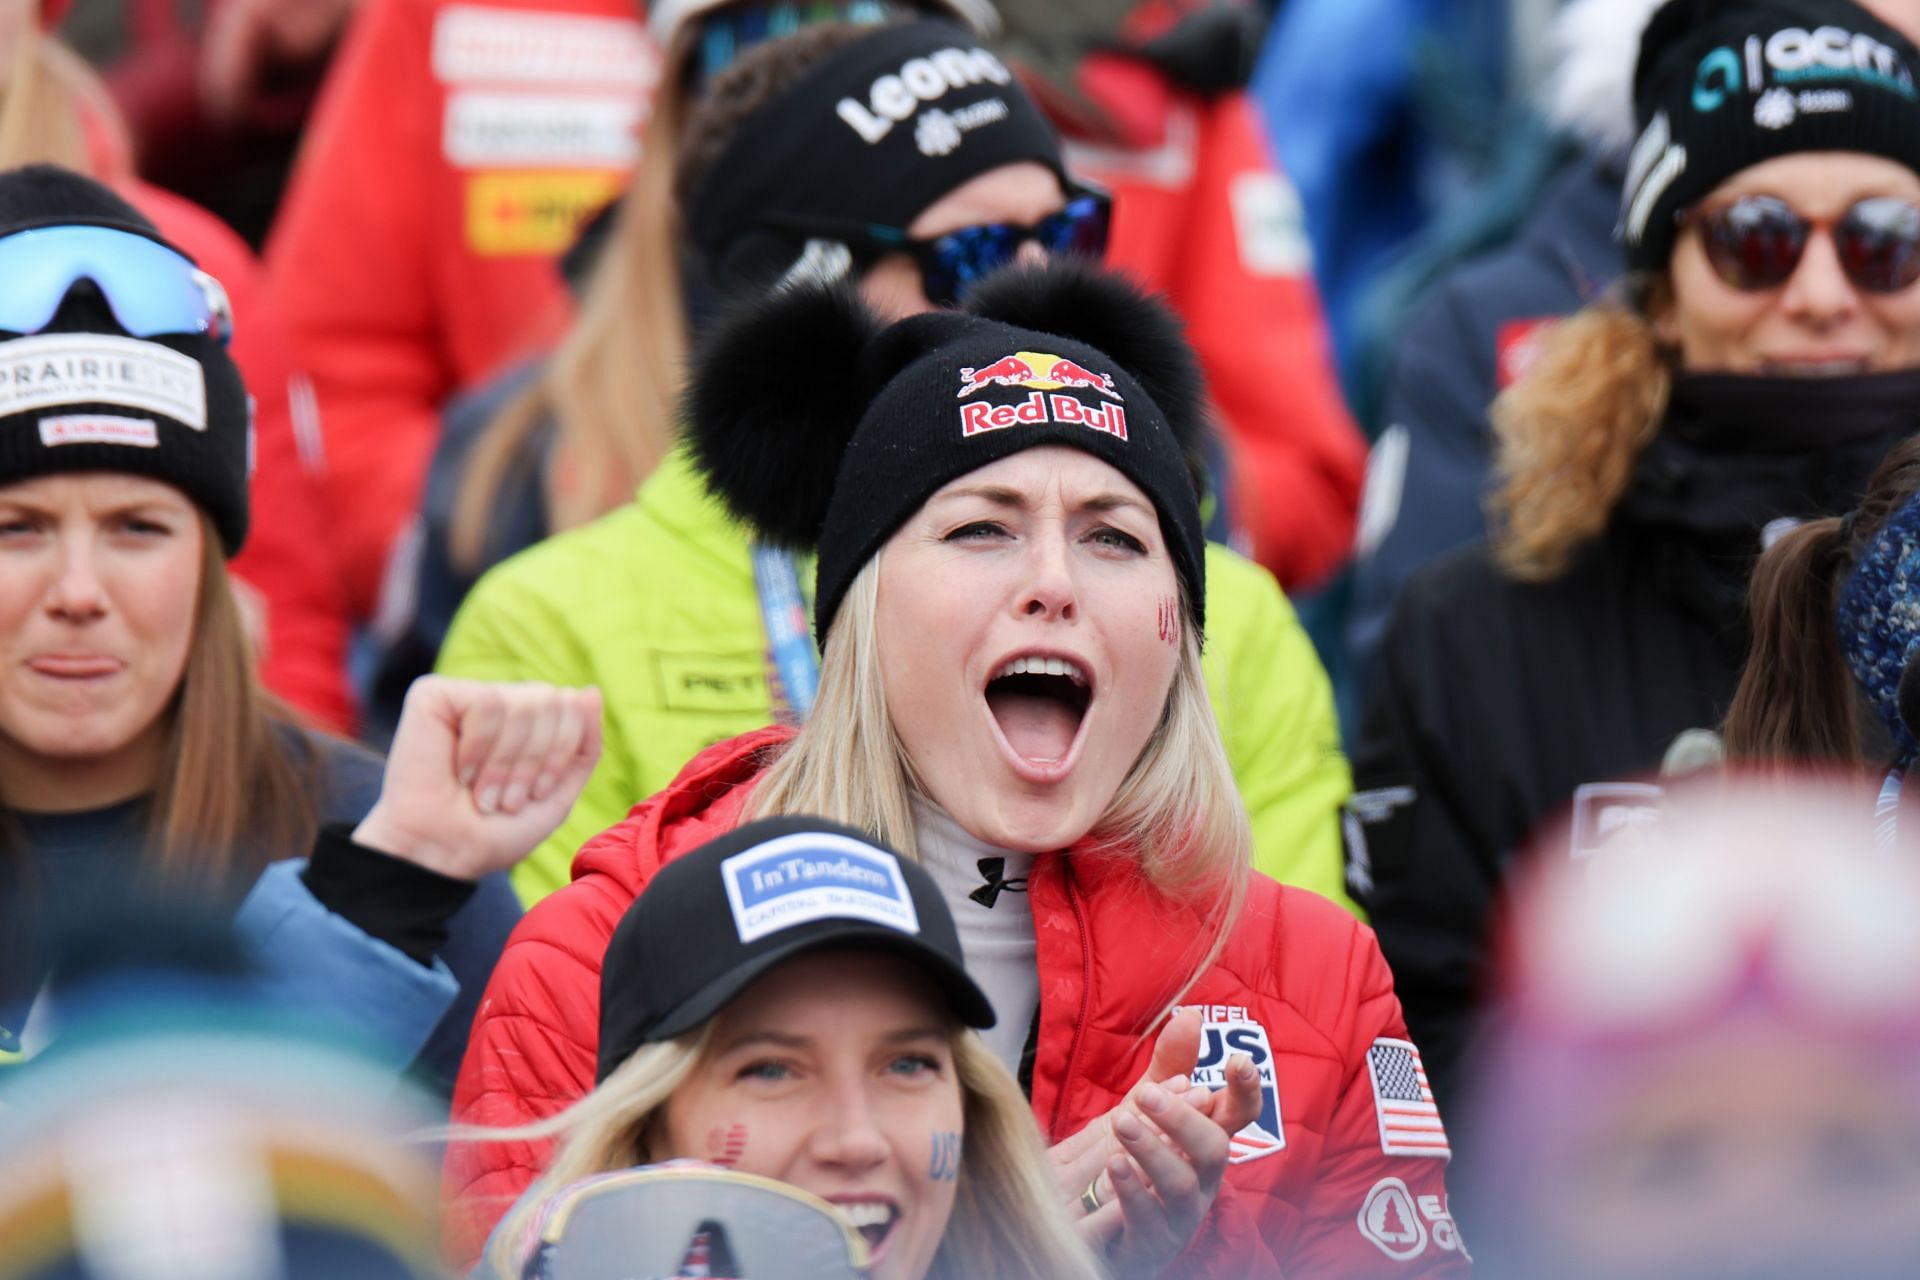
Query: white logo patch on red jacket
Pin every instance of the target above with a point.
(1397, 1223)
(1228, 1031)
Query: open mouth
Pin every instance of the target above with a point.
(873, 1219)
(1040, 703)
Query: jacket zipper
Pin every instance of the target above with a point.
(1086, 999)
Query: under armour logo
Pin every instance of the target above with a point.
(994, 872)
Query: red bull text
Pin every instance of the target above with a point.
(1042, 406)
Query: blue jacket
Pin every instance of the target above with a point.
(410, 634)
(1378, 109)
(312, 959)
(1428, 477)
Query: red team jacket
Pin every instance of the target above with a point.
(288, 562)
(1342, 1175)
(459, 143)
(454, 153)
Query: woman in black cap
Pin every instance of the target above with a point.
(1761, 362)
(1011, 595)
(136, 743)
(790, 1000)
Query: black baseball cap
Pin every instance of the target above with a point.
(716, 919)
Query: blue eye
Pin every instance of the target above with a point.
(978, 530)
(915, 1064)
(764, 1070)
(1108, 536)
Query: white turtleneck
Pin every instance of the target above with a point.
(997, 941)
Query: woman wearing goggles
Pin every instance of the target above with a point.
(1762, 358)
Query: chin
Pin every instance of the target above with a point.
(1031, 823)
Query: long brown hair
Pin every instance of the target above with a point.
(237, 785)
(49, 100)
(1796, 701)
(235, 791)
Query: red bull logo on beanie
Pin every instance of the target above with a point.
(1051, 380)
(1227, 1032)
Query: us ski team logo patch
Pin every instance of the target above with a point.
(1228, 1031)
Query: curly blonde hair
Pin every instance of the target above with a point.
(1569, 433)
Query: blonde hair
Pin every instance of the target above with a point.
(1006, 1224)
(231, 794)
(48, 99)
(1569, 433)
(1177, 812)
(611, 386)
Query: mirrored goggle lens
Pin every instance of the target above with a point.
(150, 288)
(962, 258)
(728, 31)
(1879, 244)
(1755, 242)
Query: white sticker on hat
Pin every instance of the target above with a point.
(49, 370)
(99, 428)
(809, 876)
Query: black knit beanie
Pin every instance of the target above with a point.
(872, 135)
(824, 430)
(82, 395)
(1722, 85)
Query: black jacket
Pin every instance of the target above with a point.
(1496, 701)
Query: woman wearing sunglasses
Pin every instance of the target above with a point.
(137, 746)
(1760, 363)
(818, 1031)
(668, 604)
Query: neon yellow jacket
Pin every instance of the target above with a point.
(655, 604)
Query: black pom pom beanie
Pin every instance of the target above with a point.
(823, 430)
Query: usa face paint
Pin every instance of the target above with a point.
(943, 1164)
(726, 1144)
(1170, 621)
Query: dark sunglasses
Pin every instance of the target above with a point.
(953, 263)
(1756, 242)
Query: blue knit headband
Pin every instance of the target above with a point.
(1879, 618)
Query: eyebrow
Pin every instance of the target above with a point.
(1000, 496)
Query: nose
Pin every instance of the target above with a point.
(1819, 293)
(1049, 591)
(1031, 253)
(77, 593)
(847, 1135)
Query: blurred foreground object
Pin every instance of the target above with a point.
(684, 1218)
(1707, 1042)
(178, 1130)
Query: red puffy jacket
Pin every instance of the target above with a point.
(1300, 985)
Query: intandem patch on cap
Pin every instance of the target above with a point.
(811, 876)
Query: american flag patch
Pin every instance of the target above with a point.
(1409, 1120)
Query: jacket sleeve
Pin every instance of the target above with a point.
(1417, 862)
(505, 633)
(530, 1056)
(1371, 1213)
(1427, 476)
(314, 959)
(349, 268)
(1275, 705)
(1243, 285)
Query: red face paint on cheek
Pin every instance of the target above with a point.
(1170, 621)
(726, 1146)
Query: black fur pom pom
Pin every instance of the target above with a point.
(1076, 299)
(776, 391)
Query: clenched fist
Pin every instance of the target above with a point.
(481, 773)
